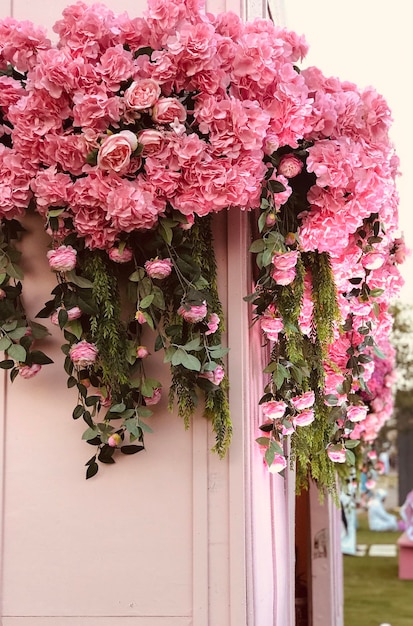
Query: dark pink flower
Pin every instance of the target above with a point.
(154, 398)
(28, 371)
(159, 268)
(118, 256)
(193, 314)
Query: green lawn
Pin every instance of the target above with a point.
(373, 593)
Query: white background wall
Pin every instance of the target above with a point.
(368, 42)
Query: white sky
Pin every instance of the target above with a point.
(368, 42)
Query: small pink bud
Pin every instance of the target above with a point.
(114, 440)
(142, 352)
(270, 219)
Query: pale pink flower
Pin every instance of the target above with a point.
(336, 453)
(279, 463)
(283, 277)
(271, 326)
(215, 376)
(304, 418)
(274, 409)
(290, 166)
(83, 353)
(154, 398)
(159, 268)
(285, 261)
(142, 352)
(373, 260)
(73, 313)
(62, 259)
(120, 257)
(28, 371)
(167, 109)
(194, 314)
(152, 141)
(116, 150)
(116, 66)
(305, 401)
(212, 323)
(356, 412)
(142, 94)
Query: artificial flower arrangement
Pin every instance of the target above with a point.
(126, 137)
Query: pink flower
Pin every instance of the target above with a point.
(270, 219)
(63, 259)
(285, 261)
(114, 440)
(167, 109)
(120, 257)
(2, 294)
(83, 353)
(216, 376)
(152, 141)
(336, 453)
(356, 413)
(279, 463)
(72, 314)
(142, 352)
(290, 166)
(274, 409)
(213, 323)
(373, 260)
(140, 317)
(283, 277)
(142, 94)
(372, 455)
(305, 401)
(115, 151)
(194, 314)
(28, 371)
(154, 398)
(159, 268)
(304, 418)
(370, 484)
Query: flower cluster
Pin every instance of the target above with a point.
(126, 137)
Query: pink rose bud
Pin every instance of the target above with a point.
(154, 399)
(274, 409)
(290, 239)
(270, 219)
(142, 352)
(190, 219)
(215, 377)
(279, 463)
(356, 413)
(28, 371)
(2, 294)
(159, 268)
(167, 109)
(194, 314)
(140, 317)
(72, 314)
(62, 259)
(373, 260)
(336, 453)
(151, 140)
(304, 418)
(83, 353)
(142, 94)
(114, 440)
(116, 150)
(305, 401)
(290, 166)
(213, 323)
(120, 257)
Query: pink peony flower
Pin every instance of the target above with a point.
(194, 314)
(274, 409)
(62, 259)
(305, 401)
(304, 418)
(290, 166)
(356, 413)
(216, 376)
(116, 150)
(83, 353)
(28, 371)
(142, 94)
(159, 268)
(213, 323)
(72, 314)
(285, 261)
(166, 110)
(152, 141)
(279, 463)
(336, 453)
(155, 398)
(120, 257)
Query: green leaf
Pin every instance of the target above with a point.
(145, 50)
(55, 212)
(17, 352)
(92, 469)
(177, 357)
(350, 457)
(38, 330)
(5, 342)
(351, 443)
(191, 362)
(218, 352)
(117, 408)
(39, 357)
(143, 411)
(90, 433)
(257, 246)
(131, 449)
(263, 441)
(146, 301)
(7, 364)
(79, 281)
(269, 456)
(138, 275)
(262, 221)
(379, 353)
(166, 232)
(78, 411)
(62, 318)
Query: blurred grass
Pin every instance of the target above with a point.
(373, 593)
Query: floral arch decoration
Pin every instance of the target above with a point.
(126, 137)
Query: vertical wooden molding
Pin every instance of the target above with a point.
(3, 405)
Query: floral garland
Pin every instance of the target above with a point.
(126, 137)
